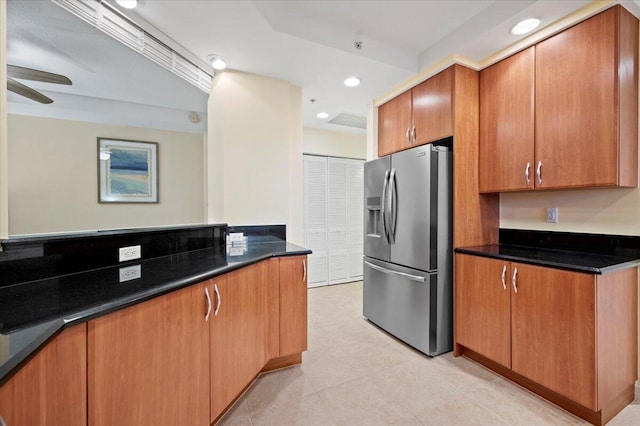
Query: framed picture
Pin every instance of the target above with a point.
(127, 171)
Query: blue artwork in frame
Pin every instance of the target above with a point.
(127, 171)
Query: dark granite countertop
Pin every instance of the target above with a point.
(32, 313)
(577, 261)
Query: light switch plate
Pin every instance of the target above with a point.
(552, 215)
(129, 253)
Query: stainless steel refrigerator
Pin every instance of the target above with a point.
(408, 253)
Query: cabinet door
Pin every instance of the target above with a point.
(433, 108)
(293, 305)
(553, 330)
(507, 124)
(482, 312)
(52, 388)
(239, 325)
(576, 105)
(394, 123)
(149, 364)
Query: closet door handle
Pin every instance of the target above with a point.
(407, 136)
(513, 279)
(218, 299)
(526, 174)
(504, 275)
(413, 134)
(2, 422)
(304, 270)
(206, 317)
(539, 172)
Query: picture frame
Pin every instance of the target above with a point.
(127, 171)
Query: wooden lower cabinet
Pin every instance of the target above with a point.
(572, 336)
(51, 389)
(238, 332)
(293, 305)
(149, 364)
(483, 307)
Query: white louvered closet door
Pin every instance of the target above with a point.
(337, 220)
(333, 218)
(315, 218)
(355, 218)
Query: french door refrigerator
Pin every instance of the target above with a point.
(408, 253)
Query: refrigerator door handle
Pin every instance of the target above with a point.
(392, 206)
(383, 216)
(402, 274)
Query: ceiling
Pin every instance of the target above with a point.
(308, 43)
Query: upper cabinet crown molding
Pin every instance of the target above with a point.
(564, 113)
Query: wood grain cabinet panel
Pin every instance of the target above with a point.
(507, 124)
(418, 116)
(433, 108)
(570, 336)
(239, 327)
(149, 364)
(394, 124)
(554, 331)
(293, 305)
(51, 389)
(483, 307)
(585, 104)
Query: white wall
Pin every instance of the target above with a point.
(254, 175)
(53, 178)
(4, 209)
(334, 144)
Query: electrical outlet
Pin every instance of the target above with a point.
(129, 253)
(130, 273)
(552, 215)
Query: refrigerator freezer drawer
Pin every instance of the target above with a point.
(403, 302)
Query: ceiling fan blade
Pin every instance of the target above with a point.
(15, 71)
(28, 92)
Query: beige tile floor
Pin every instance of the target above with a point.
(355, 374)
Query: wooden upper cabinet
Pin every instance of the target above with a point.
(483, 307)
(554, 331)
(51, 389)
(418, 116)
(587, 103)
(433, 108)
(394, 124)
(149, 364)
(507, 124)
(293, 305)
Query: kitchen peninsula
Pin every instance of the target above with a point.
(185, 329)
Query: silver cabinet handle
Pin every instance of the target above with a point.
(526, 173)
(304, 270)
(504, 274)
(402, 274)
(206, 317)
(2, 422)
(392, 206)
(218, 299)
(413, 134)
(407, 136)
(539, 172)
(382, 207)
(513, 279)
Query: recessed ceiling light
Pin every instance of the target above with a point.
(322, 115)
(525, 26)
(352, 82)
(128, 4)
(218, 62)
